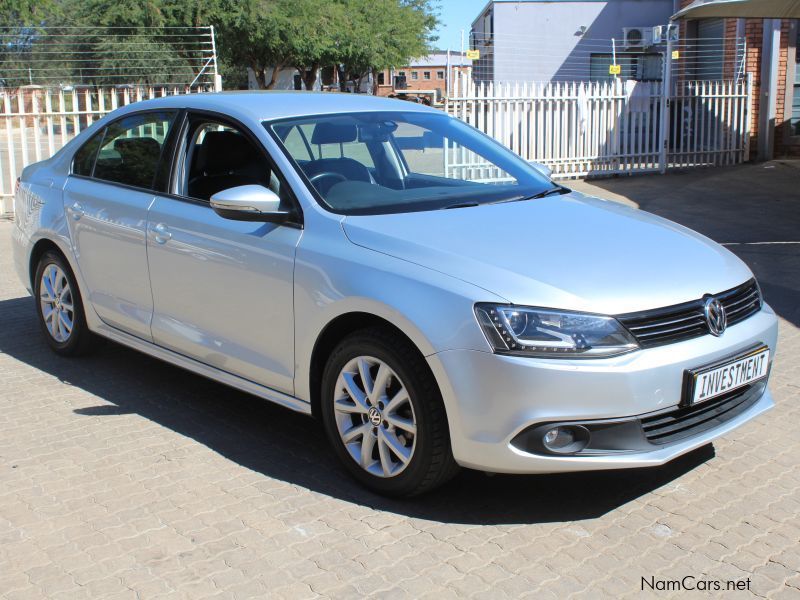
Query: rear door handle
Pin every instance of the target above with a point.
(77, 211)
(162, 233)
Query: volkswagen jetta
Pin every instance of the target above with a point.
(433, 298)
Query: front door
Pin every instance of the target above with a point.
(223, 289)
(106, 200)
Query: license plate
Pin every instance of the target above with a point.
(720, 378)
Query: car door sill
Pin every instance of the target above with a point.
(199, 368)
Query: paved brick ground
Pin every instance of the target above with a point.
(123, 477)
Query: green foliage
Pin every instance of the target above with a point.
(132, 37)
(26, 13)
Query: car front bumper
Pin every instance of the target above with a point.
(490, 399)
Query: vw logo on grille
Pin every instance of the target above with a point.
(715, 316)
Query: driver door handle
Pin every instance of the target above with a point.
(162, 233)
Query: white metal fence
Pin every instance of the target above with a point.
(35, 122)
(56, 81)
(588, 128)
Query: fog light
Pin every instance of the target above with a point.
(563, 439)
(558, 438)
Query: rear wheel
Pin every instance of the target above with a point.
(59, 306)
(383, 413)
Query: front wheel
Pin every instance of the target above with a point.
(59, 306)
(383, 413)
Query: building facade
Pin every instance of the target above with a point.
(773, 61)
(430, 73)
(565, 40)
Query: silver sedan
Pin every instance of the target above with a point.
(434, 299)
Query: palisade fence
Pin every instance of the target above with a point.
(583, 122)
(56, 83)
(580, 129)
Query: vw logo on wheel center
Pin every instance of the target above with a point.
(375, 416)
(715, 316)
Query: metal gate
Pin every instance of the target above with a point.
(580, 129)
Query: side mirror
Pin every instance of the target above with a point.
(249, 203)
(543, 169)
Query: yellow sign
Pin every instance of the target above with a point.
(614, 69)
(473, 54)
(676, 54)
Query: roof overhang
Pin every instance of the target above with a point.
(753, 9)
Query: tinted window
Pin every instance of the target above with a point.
(83, 162)
(131, 149)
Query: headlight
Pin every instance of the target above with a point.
(546, 333)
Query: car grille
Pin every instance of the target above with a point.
(686, 321)
(687, 421)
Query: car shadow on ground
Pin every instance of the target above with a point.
(291, 447)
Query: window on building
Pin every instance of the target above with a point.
(381, 78)
(414, 75)
(439, 74)
(401, 73)
(426, 74)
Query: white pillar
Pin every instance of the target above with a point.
(768, 92)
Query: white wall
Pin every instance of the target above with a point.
(537, 41)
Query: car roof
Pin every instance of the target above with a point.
(269, 105)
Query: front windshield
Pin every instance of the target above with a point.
(389, 162)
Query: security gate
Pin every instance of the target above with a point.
(580, 129)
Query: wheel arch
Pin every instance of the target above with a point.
(334, 332)
(37, 251)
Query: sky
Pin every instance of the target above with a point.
(456, 15)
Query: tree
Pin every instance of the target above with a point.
(270, 35)
(128, 38)
(249, 35)
(26, 13)
(386, 33)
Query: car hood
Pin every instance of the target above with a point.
(571, 252)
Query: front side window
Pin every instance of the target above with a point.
(426, 74)
(131, 149)
(384, 162)
(414, 75)
(218, 157)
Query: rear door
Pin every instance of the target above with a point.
(223, 289)
(106, 199)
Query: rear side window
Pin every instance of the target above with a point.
(83, 162)
(131, 149)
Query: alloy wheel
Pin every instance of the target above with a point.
(375, 416)
(56, 301)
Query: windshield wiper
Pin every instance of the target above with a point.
(462, 205)
(559, 189)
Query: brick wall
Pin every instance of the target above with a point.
(754, 36)
(782, 118)
(754, 32)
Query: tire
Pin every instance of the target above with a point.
(67, 341)
(408, 452)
